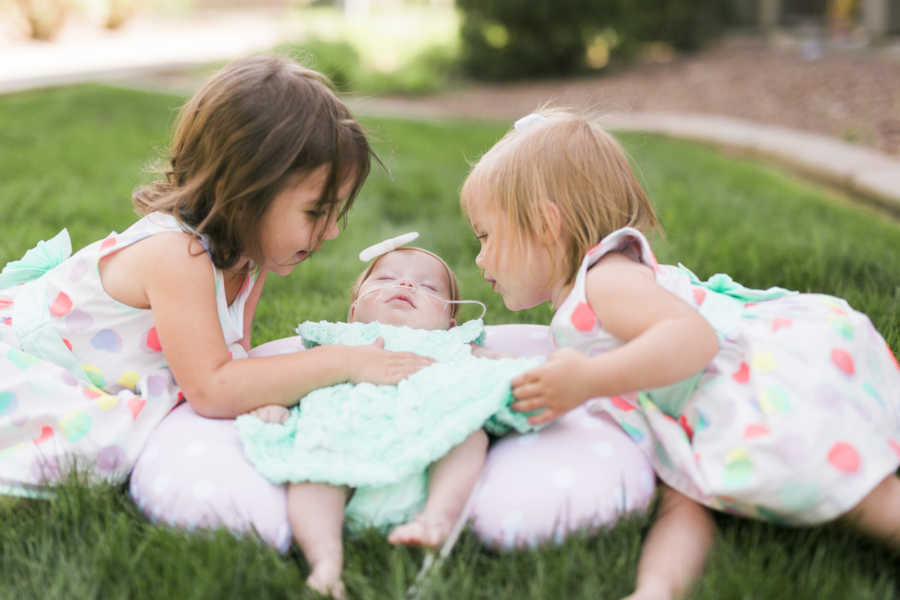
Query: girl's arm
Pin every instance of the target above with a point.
(250, 309)
(182, 298)
(675, 549)
(666, 340)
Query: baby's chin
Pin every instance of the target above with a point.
(403, 320)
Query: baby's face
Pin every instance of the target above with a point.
(404, 288)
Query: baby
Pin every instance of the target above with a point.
(381, 441)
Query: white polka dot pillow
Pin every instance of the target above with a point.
(193, 474)
(581, 471)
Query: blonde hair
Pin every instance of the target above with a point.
(569, 161)
(252, 129)
(451, 276)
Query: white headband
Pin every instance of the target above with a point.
(528, 120)
(385, 246)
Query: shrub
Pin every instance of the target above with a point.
(426, 72)
(685, 24)
(338, 60)
(508, 39)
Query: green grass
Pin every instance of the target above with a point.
(70, 157)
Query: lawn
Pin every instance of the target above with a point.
(70, 158)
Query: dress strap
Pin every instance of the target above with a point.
(628, 241)
(150, 224)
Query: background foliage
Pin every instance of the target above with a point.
(509, 39)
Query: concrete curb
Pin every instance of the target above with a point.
(868, 174)
(862, 171)
(163, 55)
(122, 76)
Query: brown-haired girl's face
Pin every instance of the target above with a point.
(294, 226)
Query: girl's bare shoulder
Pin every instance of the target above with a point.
(615, 264)
(169, 258)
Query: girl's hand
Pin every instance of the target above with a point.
(556, 387)
(376, 365)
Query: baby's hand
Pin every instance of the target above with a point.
(374, 364)
(272, 413)
(554, 387)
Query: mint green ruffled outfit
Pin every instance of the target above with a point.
(380, 439)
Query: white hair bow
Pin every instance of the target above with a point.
(385, 246)
(529, 120)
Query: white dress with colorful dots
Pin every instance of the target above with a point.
(795, 420)
(82, 376)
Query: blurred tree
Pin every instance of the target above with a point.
(45, 17)
(118, 12)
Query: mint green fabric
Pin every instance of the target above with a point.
(439, 344)
(380, 439)
(723, 307)
(32, 324)
(722, 283)
(37, 261)
(672, 398)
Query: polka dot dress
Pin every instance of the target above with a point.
(795, 420)
(83, 380)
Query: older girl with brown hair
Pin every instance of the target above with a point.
(97, 350)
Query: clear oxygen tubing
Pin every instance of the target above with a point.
(387, 289)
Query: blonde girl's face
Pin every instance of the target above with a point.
(405, 288)
(522, 273)
(293, 227)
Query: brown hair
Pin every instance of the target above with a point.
(451, 276)
(252, 128)
(569, 161)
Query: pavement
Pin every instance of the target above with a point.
(165, 55)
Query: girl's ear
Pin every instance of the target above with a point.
(352, 312)
(551, 228)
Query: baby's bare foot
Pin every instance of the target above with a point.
(325, 578)
(424, 530)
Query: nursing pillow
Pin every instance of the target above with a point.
(579, 472)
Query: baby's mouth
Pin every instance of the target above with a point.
(403, 298)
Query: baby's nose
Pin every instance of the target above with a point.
(406, 283)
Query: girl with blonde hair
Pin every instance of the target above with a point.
(768, 404)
